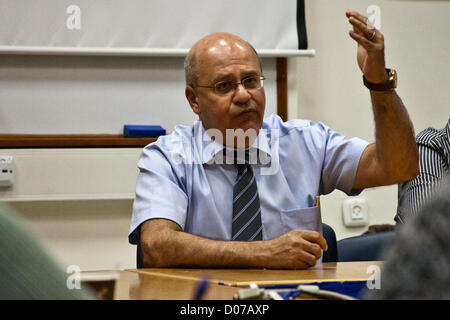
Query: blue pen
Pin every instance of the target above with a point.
(201, 288)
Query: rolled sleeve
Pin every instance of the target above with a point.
(341, 163)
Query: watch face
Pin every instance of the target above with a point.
(393, 78)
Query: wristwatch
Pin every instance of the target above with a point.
(389, 84)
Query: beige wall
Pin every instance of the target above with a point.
(89, 233)
(79, 201)
(329, 86)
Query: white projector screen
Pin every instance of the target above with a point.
(50, 83)
(159, 27)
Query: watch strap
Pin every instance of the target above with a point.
(389, 84)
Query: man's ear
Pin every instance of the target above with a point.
(192, 99)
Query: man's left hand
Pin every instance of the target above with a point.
(370, 47)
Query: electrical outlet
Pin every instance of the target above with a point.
(7, 171)
(355, 212)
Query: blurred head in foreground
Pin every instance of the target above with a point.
(418, 264)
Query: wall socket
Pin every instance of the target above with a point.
(7, 171)
(355, 212)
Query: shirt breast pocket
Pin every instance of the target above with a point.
(303, 219)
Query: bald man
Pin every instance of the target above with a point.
(238, 190)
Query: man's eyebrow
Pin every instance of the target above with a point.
(249, 74)
(226, 77)
(222, 77)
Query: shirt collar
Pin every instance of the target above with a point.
(212, 151)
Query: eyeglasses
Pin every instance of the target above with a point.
(249, 83)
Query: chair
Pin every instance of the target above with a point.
(139, 258)
(367, 247)
(139, 262)
(331, 255)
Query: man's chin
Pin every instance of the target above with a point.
(242, 137)
(248, 120)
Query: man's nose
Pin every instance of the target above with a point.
(241, 95)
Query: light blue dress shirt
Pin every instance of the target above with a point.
(180, 178)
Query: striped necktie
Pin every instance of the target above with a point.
(246, 224)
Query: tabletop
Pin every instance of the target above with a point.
(181, 283)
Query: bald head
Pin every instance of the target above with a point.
(209, 48)
(220, 59)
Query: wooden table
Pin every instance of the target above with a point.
(180, 284)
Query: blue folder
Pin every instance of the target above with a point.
(143, 131)
(355, 289)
